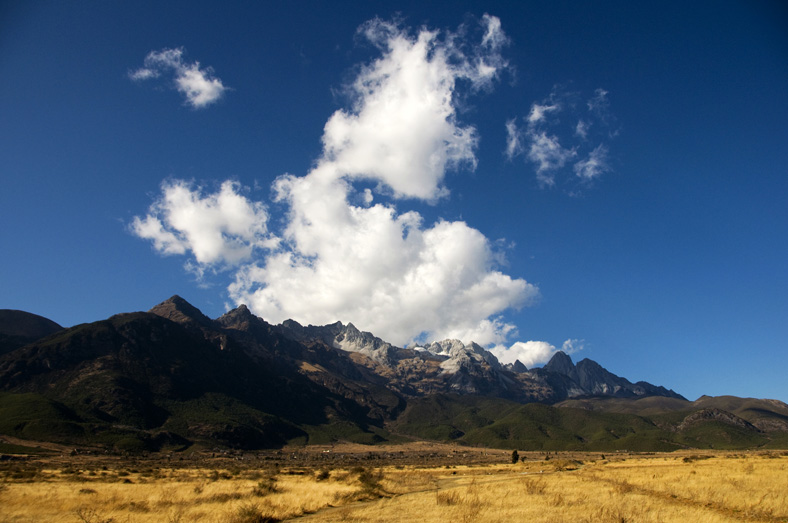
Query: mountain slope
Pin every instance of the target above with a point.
(172, 377)
(762, 414)
(146, 372)
(18, 328)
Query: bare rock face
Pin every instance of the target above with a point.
(345, 337)
(588, 378)
(517, 367)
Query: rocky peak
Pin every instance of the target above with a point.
(446, 347)
(486, 355)
(461, 356)
(180, 311)
(344, 337)
(516, 367)
(241, 315)
(562, 364)
(353, 340)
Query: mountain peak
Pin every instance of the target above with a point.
(237, 315)
(560, 363)
(240, 311)
(180, 311)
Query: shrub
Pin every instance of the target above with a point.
(369, 479)
(447, 498)
(323, 475)
(89, 515)
(265, 486)
(251, 513)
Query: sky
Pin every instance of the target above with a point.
(603, 178)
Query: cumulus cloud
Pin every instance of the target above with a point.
(534, 353)
(558, 130)
(197, 84)
(344, 253)
(223, 228)
(402, 128)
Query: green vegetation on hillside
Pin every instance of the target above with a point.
(499, 423)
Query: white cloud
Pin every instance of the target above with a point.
(581, 129)
(402, 129)
(223, 228)
(342, 254)
(198, 85)
(164, 241)
(599, 103)
(539, 112)
(494, 36)
(514, 144)
(534, 353)
(594, 165)
(383, 272)
(548, 155)
(550, 142)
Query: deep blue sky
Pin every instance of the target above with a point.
(670, 266)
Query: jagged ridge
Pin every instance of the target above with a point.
(172, 375)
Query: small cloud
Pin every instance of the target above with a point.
(143, 74)
(550, 141)
(539, 112)
(572, 346)
(548, 155)
(581, 129)
(494, 38)
(514, 144)
(599, 102)
(220, 229)
(534, 353)
(594, 165)
(197, 84)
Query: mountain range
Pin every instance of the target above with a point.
(172, 378)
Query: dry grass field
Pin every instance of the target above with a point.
(700, 487)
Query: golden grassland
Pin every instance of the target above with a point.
(707, 487)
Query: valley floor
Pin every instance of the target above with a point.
(686, 486)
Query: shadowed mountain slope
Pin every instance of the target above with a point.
(18, 328)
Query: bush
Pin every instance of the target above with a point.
(448, 498)
(265, 486)
(323, 475)
(369, 479)
(251, 513)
